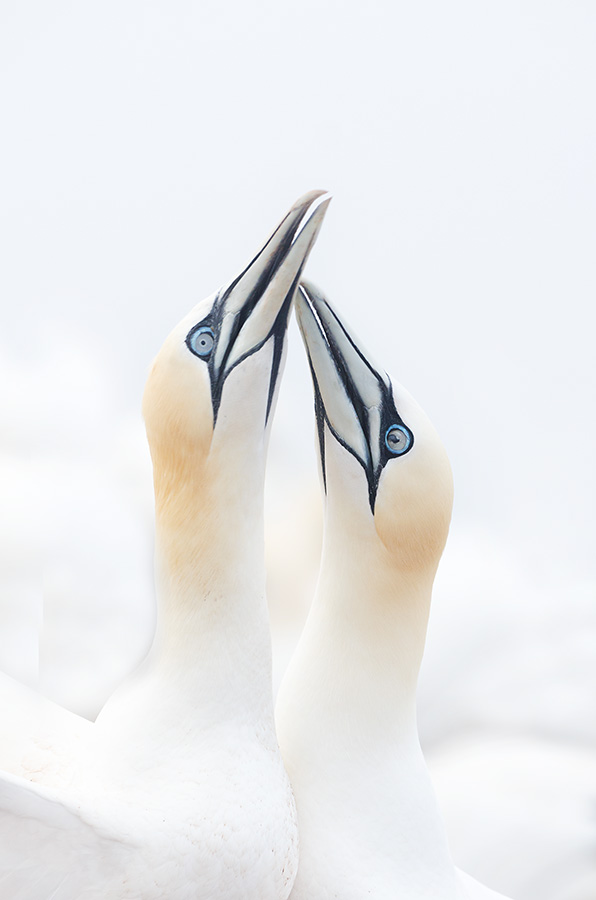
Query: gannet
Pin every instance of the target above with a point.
(178, 789)
(346, 710)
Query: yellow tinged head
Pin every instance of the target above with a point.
(178, 411)
(415, 496)
(208, 477)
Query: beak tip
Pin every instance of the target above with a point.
(310, 197)
(312, 207)
(305, 306)
(308, 294)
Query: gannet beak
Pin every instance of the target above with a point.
(256, 305)
(353, 395)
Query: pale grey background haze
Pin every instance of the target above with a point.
(147, 151)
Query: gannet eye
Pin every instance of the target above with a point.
(201, 341)
(398, 439)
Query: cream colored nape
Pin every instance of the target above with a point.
(415, 494)
(414, 498)
(203, 474)
(177, 404)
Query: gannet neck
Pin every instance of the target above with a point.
(346, 722)
(380, 612)
(210, 577)
(360, 653)
(209, 527)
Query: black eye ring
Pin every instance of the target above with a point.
(201, 341)
(398, 439)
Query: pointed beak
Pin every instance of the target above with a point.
(256, 305)
(353, 395)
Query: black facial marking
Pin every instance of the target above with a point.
(220, 311)
(388, 413)
(320, 420)
(278, 331)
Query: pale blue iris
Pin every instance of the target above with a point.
(202, 341)
(398, 439)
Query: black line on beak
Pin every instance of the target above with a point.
(279, 332)
(247, 308)
(388, 413)
(320, 418)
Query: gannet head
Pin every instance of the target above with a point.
(385, 471)
(211, 389)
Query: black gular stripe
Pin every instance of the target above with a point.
(320, 418)
(278, 331)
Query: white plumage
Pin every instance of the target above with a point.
(346, 712)
(178, 789)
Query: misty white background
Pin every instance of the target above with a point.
(147, 151)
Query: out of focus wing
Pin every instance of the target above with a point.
(38, 739)
(49, 849)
